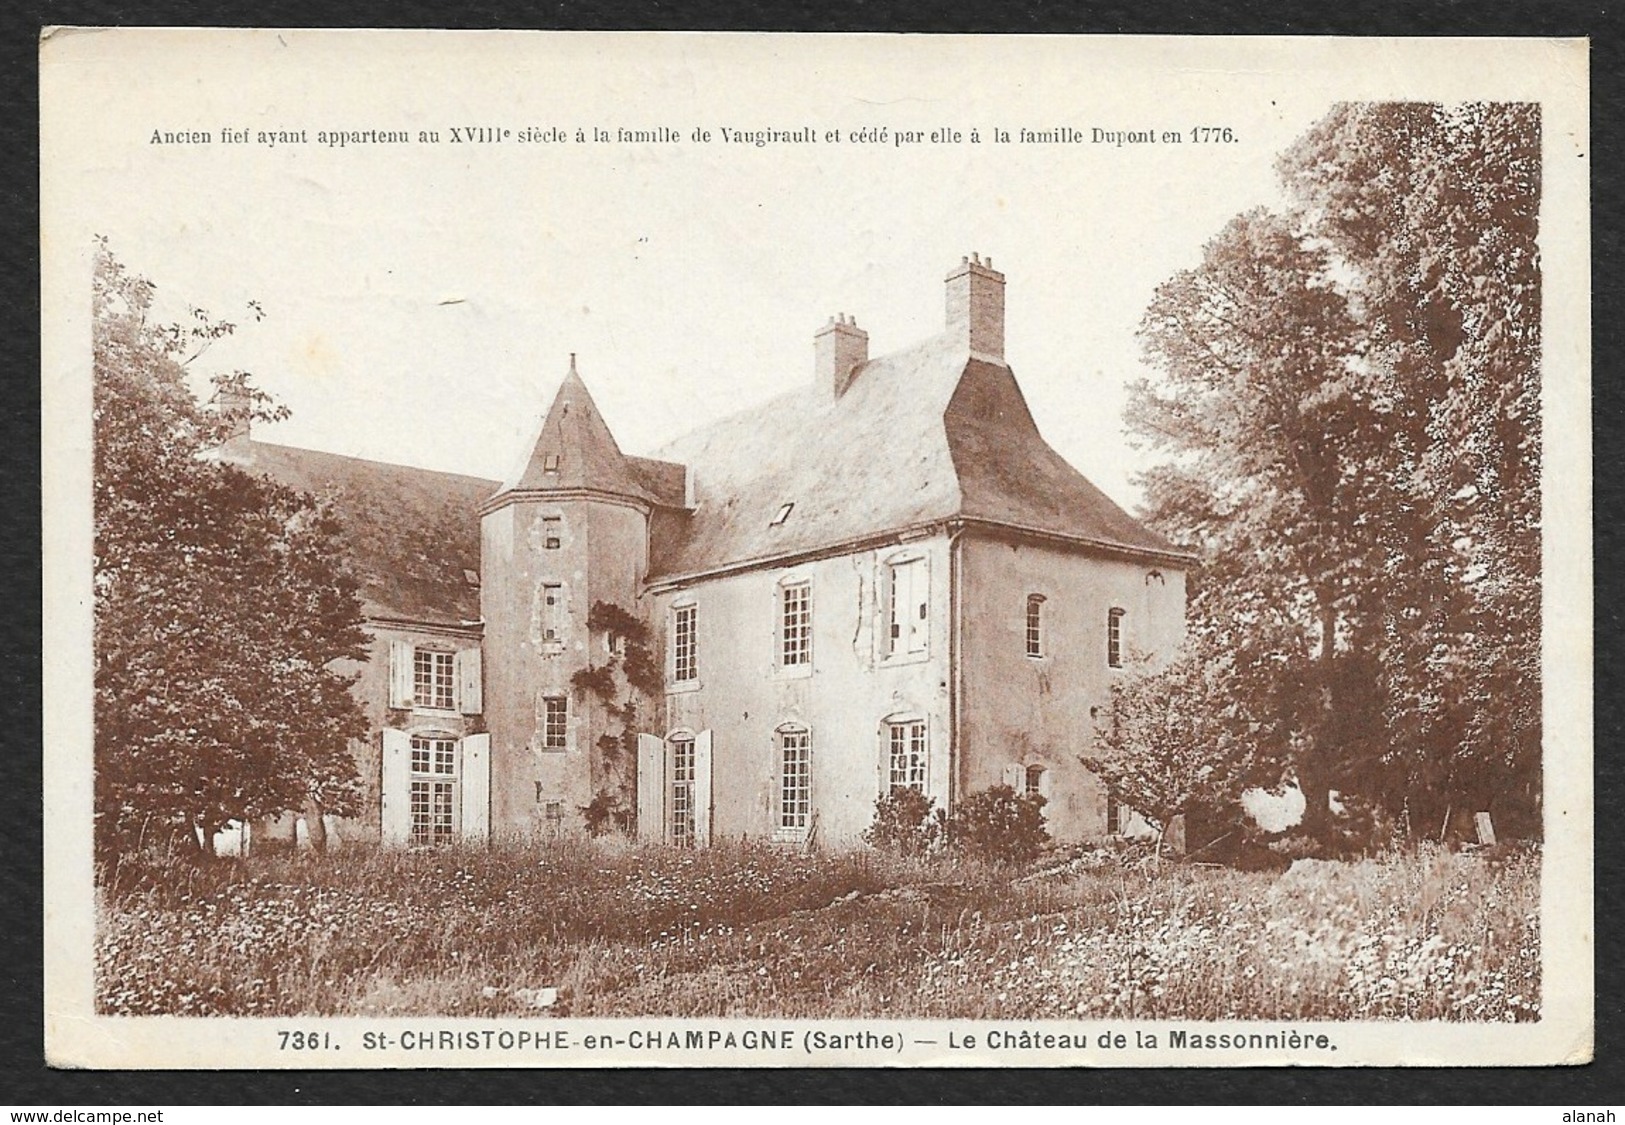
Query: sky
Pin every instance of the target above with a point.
(422, 300)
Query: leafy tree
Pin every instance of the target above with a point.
(1436, 210)
(1174, 736)
(1262, 407)
(219, 611)
(1347, 396)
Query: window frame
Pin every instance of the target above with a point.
(910, 735)
(801, 587)
(434, 791)
(681, 788)
(682, 661)
(794, 817)
(1034, 630)
(426, 689)
(894, 646)
(555, 739)
(554, 617)
(1114, 636)
(552, 533)
(1032, 780)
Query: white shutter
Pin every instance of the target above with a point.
(1044, 785)
(469, 693)
(919, 608)
(702, 789)
(476, 787)
(395, 790)
(903, 607)
(1014, 777)
(400, 674)
(651, 788)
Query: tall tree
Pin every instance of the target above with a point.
(221, 616)
(1436, 211)
(1348, 398)
(1262, 413)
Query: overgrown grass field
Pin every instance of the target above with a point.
(618, 930)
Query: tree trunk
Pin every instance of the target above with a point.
(315, 827)
(1312, 773)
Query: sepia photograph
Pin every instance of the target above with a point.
(588, 550)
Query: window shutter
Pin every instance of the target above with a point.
(476, 787)
(469, 691)
(902, 601)
(1015, 778)
(1043, 784)
(397, 803)
(651, 788)
(920, 608)
(702, 789)
(400, 674)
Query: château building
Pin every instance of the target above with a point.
(883, 579)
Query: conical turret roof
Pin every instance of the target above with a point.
(575, 450)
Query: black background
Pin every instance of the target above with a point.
(24, 1078)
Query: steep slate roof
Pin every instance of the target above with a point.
(588, 456)
(413, 533)
(919, 436)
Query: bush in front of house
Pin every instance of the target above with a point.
(906, 822)
(998, 825)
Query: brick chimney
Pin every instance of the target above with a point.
(839, 349)
(976, 306)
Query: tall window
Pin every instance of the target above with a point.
(684, 642)
(552, 533)
(433, 798)
(682, 789)
(1114, 814)
(433, 674)
(908, 630)
(906, 750)
(795, 624)
(1035, 624)
(552, 613)
(555, 722)
(1114, 638)
(795, 778)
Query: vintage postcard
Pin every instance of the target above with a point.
(695, 550)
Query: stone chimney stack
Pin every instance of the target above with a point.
(839, 349)
(235, 405)
(976, 306)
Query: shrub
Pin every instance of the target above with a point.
(996, 824)
(906, 822)
(605, 812)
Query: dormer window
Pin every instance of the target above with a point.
(783, 514)
(550, 462)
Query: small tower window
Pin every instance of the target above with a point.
(552, 613)
(550, 462)
(783, 514)
(1035, 625)
(556, 722)
(1114, 638)
(552, 532)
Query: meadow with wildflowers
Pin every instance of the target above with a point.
(585, 928)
